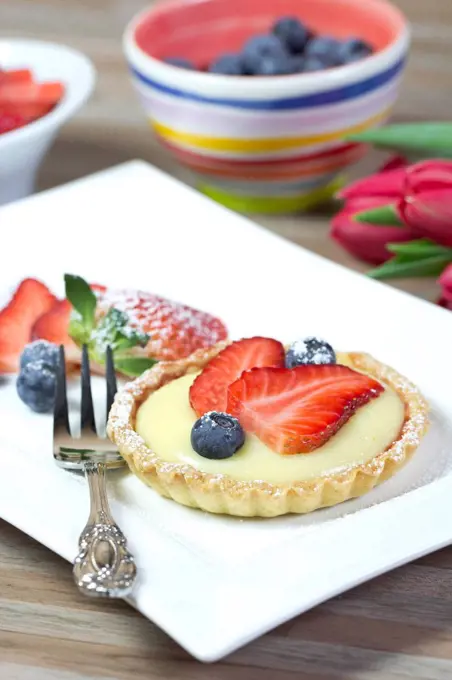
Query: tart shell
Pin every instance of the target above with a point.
(222, 494)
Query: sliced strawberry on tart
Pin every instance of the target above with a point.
(252, 429)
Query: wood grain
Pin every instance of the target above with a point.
(397, 626)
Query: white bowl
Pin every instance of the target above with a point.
(22, 150)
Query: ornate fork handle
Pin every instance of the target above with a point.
(103, 567)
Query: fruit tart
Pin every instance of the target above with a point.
(251, 428)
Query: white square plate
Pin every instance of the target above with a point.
(215, 583)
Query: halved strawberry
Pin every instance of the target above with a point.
(297, 410)
(53, 325)
(175, 330)
(30, 300)
(209, 391)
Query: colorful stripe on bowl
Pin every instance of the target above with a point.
(272, 204)
(189, 116)
(264, 144)
(269, 188)
(298, 167)
(324, 98)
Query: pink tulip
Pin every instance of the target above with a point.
(426, 205)
(443, 302)
(389, 183)
(393, 163)
(366, 241)
(445, 281)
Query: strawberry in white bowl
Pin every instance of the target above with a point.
(44, 85)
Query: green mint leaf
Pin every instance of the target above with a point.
(129, 339)
(133, 366)
(109, 327)
(82, 299)
(77, 331)
(385, 215)
(397, 268)
(113, 329)
(425, 140)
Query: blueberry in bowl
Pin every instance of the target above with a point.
(353, 50)
(277, 66)
(290, 47)
(262, 48)
(180, 62)
(325, 48)
(312, 64)
(292, 33)
(228, 65)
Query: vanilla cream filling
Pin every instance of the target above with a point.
(166, 418)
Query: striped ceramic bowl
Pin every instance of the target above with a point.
(264, 144)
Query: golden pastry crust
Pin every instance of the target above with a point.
(220, 493)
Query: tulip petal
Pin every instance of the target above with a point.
(430, 214)
(445, 281)
(393, 163)
(429, 176)
(445, 303)
(366, 241)
(389, 184)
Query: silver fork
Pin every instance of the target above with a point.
(103, 567)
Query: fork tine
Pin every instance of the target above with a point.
(111, 379)
(60, 409)
(87, 419)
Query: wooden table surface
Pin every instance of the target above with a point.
(397, 626)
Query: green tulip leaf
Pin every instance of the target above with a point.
(427, 140)
(399, 268)
(419, 249)
(385, 215)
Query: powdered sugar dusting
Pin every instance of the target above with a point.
(310, 350)
(299, 347)
(175, 330)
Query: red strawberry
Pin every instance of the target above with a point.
(297, 410)
(209, 390)
(53, 325)
(175, 330)
(30, 300)
(16, 76)
(11, 121)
